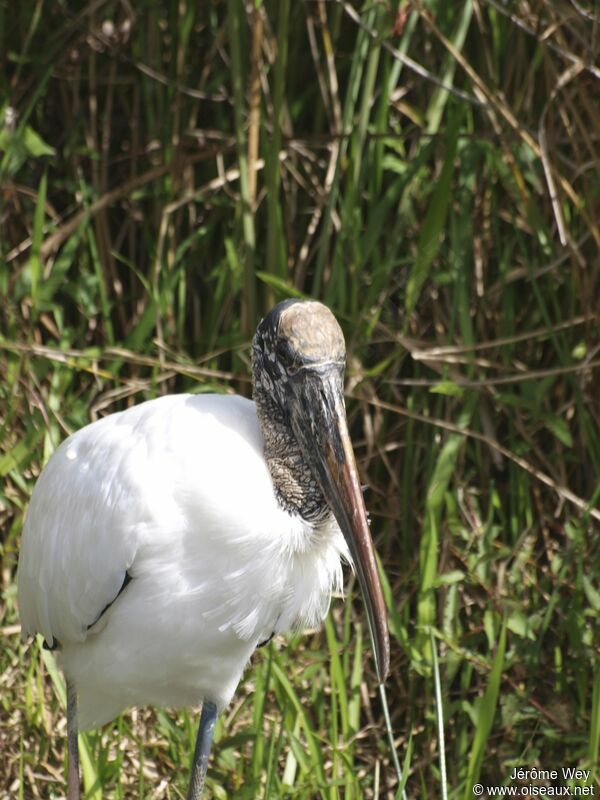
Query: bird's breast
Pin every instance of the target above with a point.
(249, 566)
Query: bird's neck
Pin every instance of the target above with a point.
(296, 488)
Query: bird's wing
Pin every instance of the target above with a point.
(79, 537)
(163, 491)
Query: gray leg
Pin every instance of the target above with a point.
(206, 731)
(72, 746)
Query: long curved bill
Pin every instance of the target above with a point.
(318, 418)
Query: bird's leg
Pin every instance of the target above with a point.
(204, 739)
(72, 744)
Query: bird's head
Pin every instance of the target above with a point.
(298, 362)
(295, 342)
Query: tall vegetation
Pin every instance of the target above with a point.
(429, 170)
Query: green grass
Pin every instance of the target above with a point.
(429, 172)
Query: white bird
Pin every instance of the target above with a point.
(164, 543)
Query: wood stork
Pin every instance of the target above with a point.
(164, 543)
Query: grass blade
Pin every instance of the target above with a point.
(430, 236)
(486, 711)
(439, 709)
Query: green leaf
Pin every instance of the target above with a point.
(559, 428)
(520, 624)
(448, 388)
(35, 145)
(286, 289)
(592, 594)
(448, 578)
(579, 351)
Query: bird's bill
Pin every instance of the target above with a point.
(319, 422)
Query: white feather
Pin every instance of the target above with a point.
(177, 492)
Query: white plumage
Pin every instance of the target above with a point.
(164, 543)
(177, 492)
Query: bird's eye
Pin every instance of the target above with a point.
(283, 351)
(285, 356)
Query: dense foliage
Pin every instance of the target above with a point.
(430, 171)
